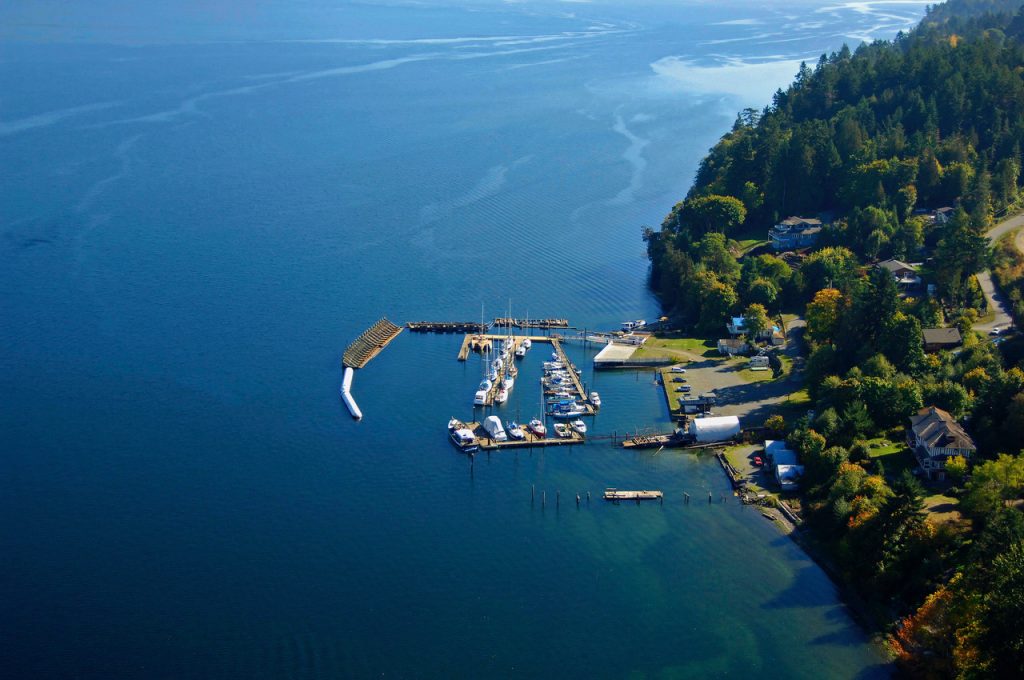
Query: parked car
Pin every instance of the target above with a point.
(678, 369)
(757, 461)
(995, 331)
(677, 379)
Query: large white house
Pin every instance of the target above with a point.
(935, 436)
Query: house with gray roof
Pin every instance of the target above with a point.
(935, 436)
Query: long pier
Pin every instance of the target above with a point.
(616, 495)
(446, 327)
(584, 397)
(532, 323)
(484, 441)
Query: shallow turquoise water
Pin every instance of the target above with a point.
(201, 210)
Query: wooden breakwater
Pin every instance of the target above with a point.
(370, 343)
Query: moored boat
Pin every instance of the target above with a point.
(462, 437)
(595, 399)
(579, 426)
(537, 427)
(516, 431)
(562, 431)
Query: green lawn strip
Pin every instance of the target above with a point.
(894, 456)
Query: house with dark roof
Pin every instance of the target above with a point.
(935, 436)
(938, 339)
(795, 232)
(904, 274)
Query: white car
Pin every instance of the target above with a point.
(678, 369)
(995, 331)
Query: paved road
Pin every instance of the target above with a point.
(996, 300)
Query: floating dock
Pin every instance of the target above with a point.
(370, 343)
(532, 323)
(652, 441)
(616, 495)
(484, 441)
(446, 327)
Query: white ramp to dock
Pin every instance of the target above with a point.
(614, 352)
(346, 394)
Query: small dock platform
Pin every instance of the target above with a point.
(485, 442)
(370, 343)
(652, 441)
(474, 343)
(615, 495)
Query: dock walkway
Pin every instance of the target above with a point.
(616, 495)
(484, 441)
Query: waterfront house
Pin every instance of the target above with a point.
(738, 326)
(937, 339)
(795, 232)
(733, 346)
(935, 436)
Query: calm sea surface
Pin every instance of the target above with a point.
(200, 207)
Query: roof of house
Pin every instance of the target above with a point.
(794, 221)
(732, 342)
(939, 430)
(944, 211)
(895, 266)
(941, 336)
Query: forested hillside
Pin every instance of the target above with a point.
(872, 142)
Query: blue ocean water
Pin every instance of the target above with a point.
(203, 203)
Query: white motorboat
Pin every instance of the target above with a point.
(595, 399)
(485, 385)
(527, 343)
(462, 436)
(508, 382)
(516, 431)
(579, 426)
(562, 430)
(537, 427)
(520, 351)
(480, 398)
(502, 396)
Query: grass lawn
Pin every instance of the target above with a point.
(894, 456)
(677, 348)
(942, 509)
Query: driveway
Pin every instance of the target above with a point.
(996, 300)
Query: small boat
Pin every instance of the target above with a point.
(463, 439)
(537, 427)
(562, 431)
(568, 410)
(485, 385)
(595, 399)
(527, 343)
(502, 396)
(520, 351)
(493, 375)
(480, 398)
(579, 426)
(454, 424)
(555, 357)
(515, 431)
